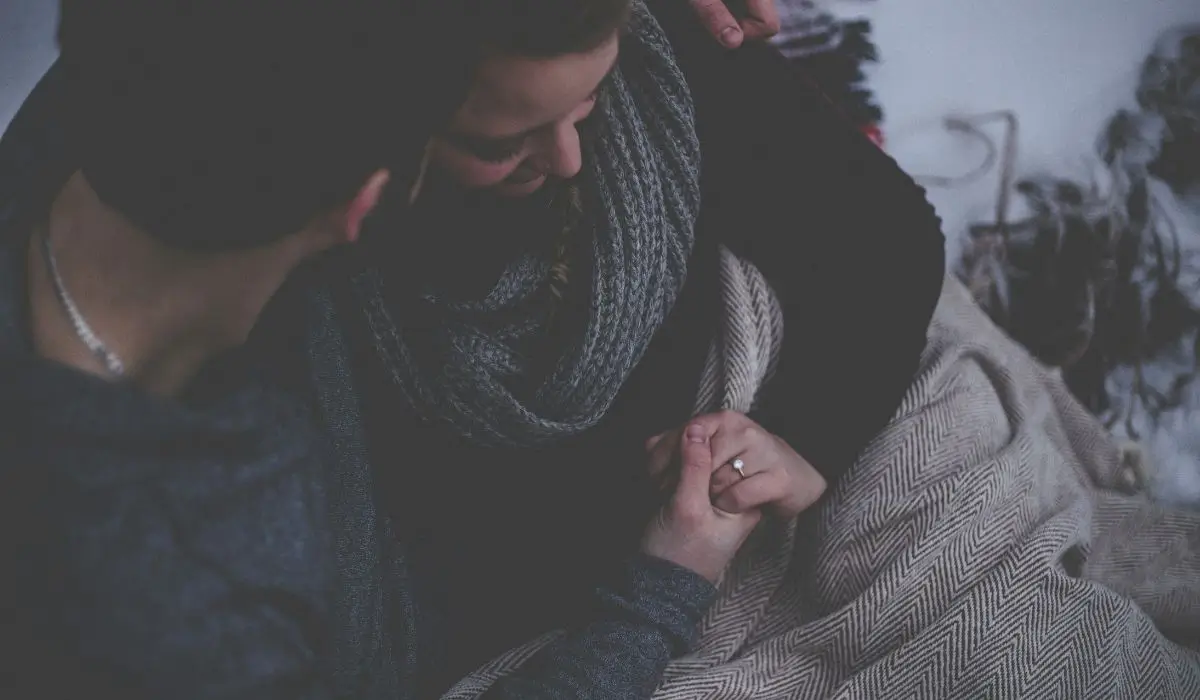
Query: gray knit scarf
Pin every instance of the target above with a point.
(490, 367)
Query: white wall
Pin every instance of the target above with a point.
(1063, 65)
(26, 49)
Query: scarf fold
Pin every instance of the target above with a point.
(491, 368)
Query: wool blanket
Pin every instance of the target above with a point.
(980, 547)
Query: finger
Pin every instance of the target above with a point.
(653, 440)
(736, 437)
(804, 489)
(719, 21)
(696, 466)
(761, 20)
(723, 477)
(754, 492)
(721, 421)
(781, 494)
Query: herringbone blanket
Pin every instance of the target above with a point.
(977, 549)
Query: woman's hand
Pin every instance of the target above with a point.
(689, 530)
(759, 19)
(772, 476)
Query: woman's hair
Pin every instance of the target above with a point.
(546, 28)
(224, 124)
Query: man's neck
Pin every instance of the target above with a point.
(163, 312)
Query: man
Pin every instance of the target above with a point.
(163, 500)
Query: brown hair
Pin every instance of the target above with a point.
(546, 28)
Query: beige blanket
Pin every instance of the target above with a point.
(978, 549)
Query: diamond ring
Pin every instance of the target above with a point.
(739, 466)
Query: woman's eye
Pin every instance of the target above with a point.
(496, 154)
(492, 151)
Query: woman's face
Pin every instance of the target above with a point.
(518, 125)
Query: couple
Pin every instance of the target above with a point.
(239, 465)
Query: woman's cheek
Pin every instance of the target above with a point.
(468, 171)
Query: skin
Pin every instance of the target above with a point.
(690, 530)
(757, 20)
(165, 312)
(520, 123)
(776, 479)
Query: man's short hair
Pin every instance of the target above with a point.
(219, 124)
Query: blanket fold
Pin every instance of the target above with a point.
(973, 550)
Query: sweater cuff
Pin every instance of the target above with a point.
(667, 596)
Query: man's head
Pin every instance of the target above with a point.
(229, 124)
(542, 63)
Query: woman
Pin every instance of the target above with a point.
(541, 389)
(550, 330)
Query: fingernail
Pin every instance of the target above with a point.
(696, 433)
(731, 36)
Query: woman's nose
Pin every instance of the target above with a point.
(562, 156)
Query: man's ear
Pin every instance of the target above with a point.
(363, 204)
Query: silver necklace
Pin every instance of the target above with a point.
(85, 333)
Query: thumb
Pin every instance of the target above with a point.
(696, 466)
(719, 21)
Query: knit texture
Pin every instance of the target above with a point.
(156, 549)
(976, 549)
(489, 367)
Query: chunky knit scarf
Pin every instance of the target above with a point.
(491, 367)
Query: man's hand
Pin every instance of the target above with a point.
(756, 19)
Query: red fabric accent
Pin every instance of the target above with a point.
(874, 133)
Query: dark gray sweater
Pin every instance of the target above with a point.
(225, 547)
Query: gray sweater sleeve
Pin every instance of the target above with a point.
(641, 621)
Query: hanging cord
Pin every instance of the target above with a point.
(1005, 155)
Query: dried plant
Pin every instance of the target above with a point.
(1093, 278)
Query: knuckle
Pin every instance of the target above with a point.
(739, 500)
(729, 417)
(816, 487)
(806, 493)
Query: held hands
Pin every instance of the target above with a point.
(714, 508)
(757, 19)
(689, 530)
